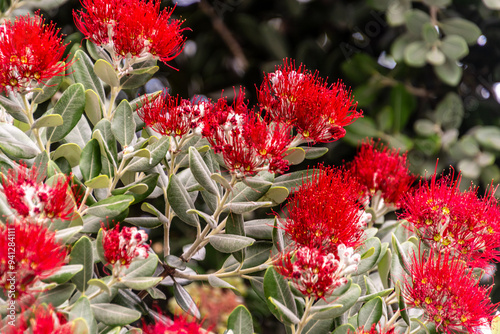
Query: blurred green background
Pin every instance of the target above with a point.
(425, 73)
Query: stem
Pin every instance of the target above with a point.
(237, 272)
(305, 316)
(14, 5)
(112, 99)
(393, 319)
(28, 112)
(84, 199)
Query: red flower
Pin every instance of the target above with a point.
(383, 171)
(42, 319)
(448, 293)
(317, 274)
(446, 218)
(31, 198)
(248, 143)
(324, 212)
(317, 110)
(28, 252)
(131, 28)
(179, 325)
(374, 330)
(124, 246)
(170, 115)
(30, 51)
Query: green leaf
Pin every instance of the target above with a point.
(70, 106)
(104, 134)
(488, 136)
(287, 316)
(400, 252)
(93, 108)
(369, 261)
(83, 72)
(221, 180)
(315, 152)
(81, 309)
(461, 27)
(185, 301)
(450, 72)
(454, 47)
(275, 195)
(384, 267)
(141, 283)
(344, 329)
(415, 53)
(292, 181)
(49, 120)
(114, 315)
(201, 172)
(229, 243)
(240, 321)
(140, 189)
(255, 255)
(146, 222)
(396, 11)
(382, 293)
(244, 207)
(435, 57)
(46, 89)
(106, 73)
(403, 105)
(123, 124)
(64, 274)
(415, 20)
(156, 293)
(111, 206)
(142, 268)
(158, 151)
(430, 33)
(295, 155)
(347, 299)
(217, 282)
(175, 262)
(180, 201)
(259, 228)
(57, 295)
(100, 284)
(90, 160)
(206, 217)
(14, 107)
(235, 226)
(401, 304)
(450, 111)
(70, 151)
(140, 75)
(495, 5)
(64, 236)
(80, 134)
(15, 143)
(276, 287)
(99, 182)
(82, 254)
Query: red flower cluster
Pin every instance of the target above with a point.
(31, 252)
(42, 320)
(445, 288)
(30, 198)
(124, 246)
(30, 51)
(447, 219)
(172, 116)
(180, 325)
(318, 111)
(247, 142)
(374, 330)
(382, 172)
(315, 273)
(131, 28)
(325, 223)
(325, 212)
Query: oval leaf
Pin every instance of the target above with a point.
(229, 243)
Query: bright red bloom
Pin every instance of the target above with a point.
(448, 293)
(30, 198)
(317, 274)
(30, 51)
(135, 28)
(445, 218)
(324, 212)
(374, 330)
(179, 325)
(248, 143)
(124, 246)
(42, 319)
(379, 169)
(318, 111)
(170, 115)
(37, 255)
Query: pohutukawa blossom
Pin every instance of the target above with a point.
(247, 142)
(383, 174)
(31, 198)
(375, 329)
(134, 30)
(447, 219)
(315, 273)
(43, 319)
(318, 111)
(448, 293)
(123, 247)
(179, 325)
(31, 51)
(172, 116)
(37, 256)
(325, 213)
